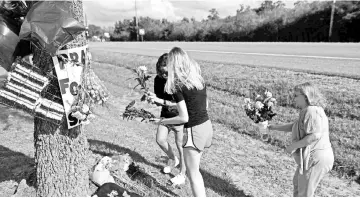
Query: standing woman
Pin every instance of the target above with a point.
(168, 110)
(311, 147)
(188, 87)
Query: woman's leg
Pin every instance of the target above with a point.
(192, 162)
(296, 183)
(321, 163)
(179, 133)
(161, 139)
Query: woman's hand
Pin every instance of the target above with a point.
(149, 93)
(290, 149)
(153, 99)
(156, 121)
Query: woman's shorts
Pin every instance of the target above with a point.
(198, 137)
(175, 127)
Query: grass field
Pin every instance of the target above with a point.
(229, 83)
(239, 163)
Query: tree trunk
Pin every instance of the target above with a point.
(60, 154)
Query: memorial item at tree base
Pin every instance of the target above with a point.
(50, 25)
(110, 190)
(101, 173)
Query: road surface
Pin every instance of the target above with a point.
(331, 58)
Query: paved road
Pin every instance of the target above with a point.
(335, 58)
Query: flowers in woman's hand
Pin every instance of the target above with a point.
(268, 94)
(270, 104)
(260, 109)
(247, 100)
(142, 69)
(142, 77)
(259, 105)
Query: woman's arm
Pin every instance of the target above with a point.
(162, 102)
(159, 101)
(284, 127)
(307, 140)
(182, 118)
(312, 127)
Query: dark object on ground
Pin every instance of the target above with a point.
(110, 190)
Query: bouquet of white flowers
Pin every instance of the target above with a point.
(261, 109)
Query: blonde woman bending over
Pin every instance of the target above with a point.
(188, 88)
(311, 147)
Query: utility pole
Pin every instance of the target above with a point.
(137, 25)
(332, 19)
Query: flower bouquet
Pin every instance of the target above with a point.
(141, 78)
(130, 111)
(260, 110)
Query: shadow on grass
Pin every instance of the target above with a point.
(217, 184)
(221, 186)
(111, 149)
(16, 166)
(109, 146)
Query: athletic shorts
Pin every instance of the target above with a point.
(175, 127)
(198, 137)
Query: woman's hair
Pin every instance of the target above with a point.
(182, 71)
(312, 94)
(162, 62)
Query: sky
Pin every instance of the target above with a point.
(105, 13)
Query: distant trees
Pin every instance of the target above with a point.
(214, 15)
(272, 21)
(95, 30)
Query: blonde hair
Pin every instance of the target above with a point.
(312, 94)
(182, 71)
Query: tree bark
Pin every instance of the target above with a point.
(60, 154)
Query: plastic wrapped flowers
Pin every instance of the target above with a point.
(261, 109)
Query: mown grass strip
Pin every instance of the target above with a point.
(230, 83)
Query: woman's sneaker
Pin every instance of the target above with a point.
(178, 180)
(170, 165)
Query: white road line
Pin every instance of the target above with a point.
(265, 54)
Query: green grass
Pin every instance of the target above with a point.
(229, 83)
(235, 165)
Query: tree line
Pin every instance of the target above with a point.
(272, 21)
